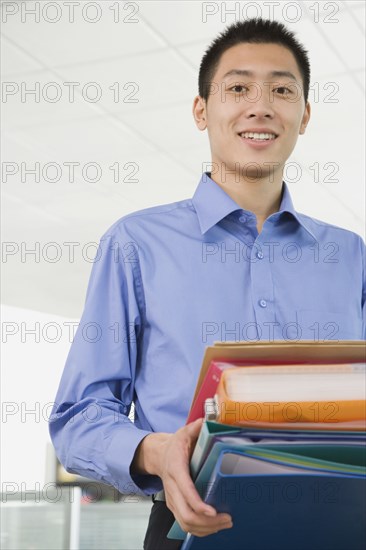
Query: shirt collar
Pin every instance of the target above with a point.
(212, 204)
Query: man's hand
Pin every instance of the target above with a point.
(168, 456)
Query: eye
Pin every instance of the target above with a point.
(237, 86)
(283, 90)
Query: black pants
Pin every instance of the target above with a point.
(160, 521)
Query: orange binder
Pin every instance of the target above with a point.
(271, 410)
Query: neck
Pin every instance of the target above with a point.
(262, 196)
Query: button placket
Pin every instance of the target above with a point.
(262, 287)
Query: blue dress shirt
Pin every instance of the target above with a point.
(172, 279)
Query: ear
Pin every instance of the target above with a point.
(199, 112)
(305, 118)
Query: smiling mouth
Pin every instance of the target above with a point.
(258, 136)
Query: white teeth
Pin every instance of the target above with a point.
(256, 135)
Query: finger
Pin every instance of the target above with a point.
(205, 532)
(189, 492)
(196, 524)
(184, 488)
(183, 477)
(193, 429)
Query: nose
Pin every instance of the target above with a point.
(258, 104)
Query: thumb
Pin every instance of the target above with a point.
(195, 426)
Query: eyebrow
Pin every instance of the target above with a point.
(244, 72)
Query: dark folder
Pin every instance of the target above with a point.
(277, 506)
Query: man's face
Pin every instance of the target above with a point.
(255, 100)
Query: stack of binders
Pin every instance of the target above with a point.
(283, 447)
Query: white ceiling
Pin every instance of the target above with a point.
(160, 53)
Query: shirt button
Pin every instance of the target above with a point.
(263, 303)
(260, 255)
(243, 219)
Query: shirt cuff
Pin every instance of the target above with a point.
(120, 451)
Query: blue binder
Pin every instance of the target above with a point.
(346, 450)
(277, 507)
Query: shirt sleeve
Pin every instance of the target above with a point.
(89, 424)
(363, 254)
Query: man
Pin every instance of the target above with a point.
(234, 262)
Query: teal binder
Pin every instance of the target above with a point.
(210, 430)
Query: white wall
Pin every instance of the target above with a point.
(31, 369)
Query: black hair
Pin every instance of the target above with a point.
(253, 31)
